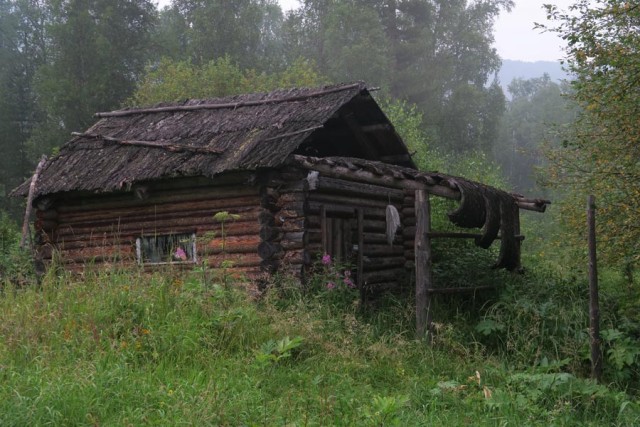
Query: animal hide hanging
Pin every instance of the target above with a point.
(393, 223)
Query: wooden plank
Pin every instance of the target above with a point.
(323, 229)
(360, 262)
(342, 210)
(348, 200)
(337, 239)
(335, 186)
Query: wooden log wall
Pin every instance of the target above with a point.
(338, 201)
(102, 229)
(409, 227)
(282, 223)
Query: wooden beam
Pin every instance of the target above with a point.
(150, 144)
(360, 282)
(32, 191)
(323, 230)
(442, 189)
(232, 105)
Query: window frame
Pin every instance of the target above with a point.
(192, 242)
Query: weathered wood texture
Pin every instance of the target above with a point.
(94, 230)
(346, 218)
(423, 260)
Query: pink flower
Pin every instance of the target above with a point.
(180, 254)
(331, 285)
(349, 282)
(326, 259)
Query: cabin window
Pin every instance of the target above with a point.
(166, 248)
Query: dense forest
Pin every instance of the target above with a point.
(435, 69)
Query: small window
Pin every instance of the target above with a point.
(166, 249)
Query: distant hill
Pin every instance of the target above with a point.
(527, 70)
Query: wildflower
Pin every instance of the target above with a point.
(326, 259)
(331, 285)
(347, 279)
(349, 282)
(180, 254)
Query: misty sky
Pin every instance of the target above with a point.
(516, 38)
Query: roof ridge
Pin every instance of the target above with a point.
(175, 108)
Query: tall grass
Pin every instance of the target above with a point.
(128, 348)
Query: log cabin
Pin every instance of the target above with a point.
(256, 183)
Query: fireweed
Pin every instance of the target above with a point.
(332, 280)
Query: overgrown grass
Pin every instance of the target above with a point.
(125, 348)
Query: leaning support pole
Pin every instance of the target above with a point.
(27, 212)
(594, 305)
(423, 265)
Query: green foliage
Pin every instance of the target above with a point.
(599, 154)
(408, 122)
(9, 234)
(273, 352)
(16, 264)
(162, 349)
(177, 80)
(245, 30)
(385, 410)
(359, 47)
(97, 51)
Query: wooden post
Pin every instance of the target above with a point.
(594, 305)
(360, 282)
(516, 231)
(323, 229)
(27, 212)
(336, 241)
(423, 264)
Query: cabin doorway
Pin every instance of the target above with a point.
(342, 239)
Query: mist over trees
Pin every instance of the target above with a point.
(433, 60)
(599, 154)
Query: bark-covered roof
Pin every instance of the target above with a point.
(208, 137)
